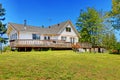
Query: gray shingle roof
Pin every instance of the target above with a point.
(54, 29)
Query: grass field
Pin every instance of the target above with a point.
(59, 65)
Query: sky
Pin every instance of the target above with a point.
(49, 12)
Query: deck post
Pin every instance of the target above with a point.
(25, 49)
(18, 49)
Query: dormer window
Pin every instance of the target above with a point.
(68, 29)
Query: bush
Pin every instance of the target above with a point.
(6, 48)
(115, 52)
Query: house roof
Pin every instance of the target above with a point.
(54, 29)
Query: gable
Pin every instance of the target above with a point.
(10, 30)
(73, 30)
(66, 33)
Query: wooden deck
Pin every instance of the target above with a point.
(39, 43)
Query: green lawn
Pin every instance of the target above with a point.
(59, 65)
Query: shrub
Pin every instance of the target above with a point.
(6, 48)
(114, 52)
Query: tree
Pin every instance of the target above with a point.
(115, 7)
(113, 23)
(115, 14)
(85, 34)
(118, 47)
(89, 24)
(2, 26)
(109, 41)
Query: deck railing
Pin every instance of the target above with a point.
(39, 43)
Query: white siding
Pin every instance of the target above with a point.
(41, 37)
(25, 35)
(68, 35)
(28, 35)
(54, 37)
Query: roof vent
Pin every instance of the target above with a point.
(42, 26)
(58, 24)
(25, 22)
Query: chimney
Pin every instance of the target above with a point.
(25, 22)
(49, 26)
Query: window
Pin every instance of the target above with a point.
(63, 38)
(68, 29)
(72, 40)
(35, 36)
(47, 38)
(13, 36)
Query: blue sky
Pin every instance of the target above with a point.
(49, 12)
